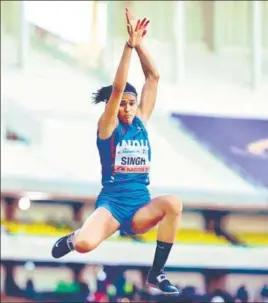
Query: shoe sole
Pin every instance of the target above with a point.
(163, 292)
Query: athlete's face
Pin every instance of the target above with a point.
(128, 108)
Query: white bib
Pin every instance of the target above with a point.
(132, 156)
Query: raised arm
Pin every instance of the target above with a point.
(149, 90)
(108, 121)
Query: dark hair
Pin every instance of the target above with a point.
(104, 93)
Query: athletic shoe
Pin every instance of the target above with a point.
(63, 246)
(162, 283)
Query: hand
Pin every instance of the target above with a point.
(136, 28)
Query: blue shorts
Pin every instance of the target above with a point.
(123, 203)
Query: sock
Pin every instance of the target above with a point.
(161, 256)
(63, 246)
(69, 242)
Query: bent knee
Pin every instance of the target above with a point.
(173, 204)
(84, 246)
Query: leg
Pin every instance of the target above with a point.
(98, 227)
(165, 210)
(102, 223)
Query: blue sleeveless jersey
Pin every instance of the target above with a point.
(125, 156)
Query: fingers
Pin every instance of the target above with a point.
(127, 16)
(130, 14)
(146, 23)
(143, 25)
(129, 26)
(130, 20)
(143, 22)
(144, 33)
(138, 25)
(129, 29)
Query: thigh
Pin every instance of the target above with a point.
(99, 226)
(124, 204)
(149, 215)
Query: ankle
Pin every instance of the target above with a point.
(155, 272)
(71, 240)
(73, 237)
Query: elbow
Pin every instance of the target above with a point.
(154, 77)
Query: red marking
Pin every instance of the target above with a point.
(131, 169)
(112, 147)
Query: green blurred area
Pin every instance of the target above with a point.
(225, 23)
(219, 27)
(9, 16)
(218, 23)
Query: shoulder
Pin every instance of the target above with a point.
(141, 118)
(103, 124)
(139, 122)
(112, 132)
(102, 119)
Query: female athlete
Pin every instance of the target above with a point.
(122, 140)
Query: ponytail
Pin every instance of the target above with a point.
(104, 93)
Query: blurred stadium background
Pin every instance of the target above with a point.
(209, 135)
